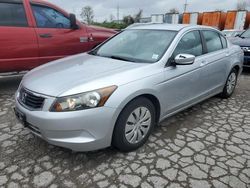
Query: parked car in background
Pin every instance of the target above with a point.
(243, 40)
(117, 93)
(36, 32)
(232, 33)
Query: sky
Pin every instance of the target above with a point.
(103, 9)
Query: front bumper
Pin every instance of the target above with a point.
(85, 130)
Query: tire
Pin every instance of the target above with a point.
(231, 81)
(129, 135)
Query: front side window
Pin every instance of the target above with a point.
(189, 44)
(213, 41)
(12, 14)
(146, 46)
(50, 18)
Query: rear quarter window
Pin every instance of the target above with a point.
(12, 14)
(224, 41)
(212, 40)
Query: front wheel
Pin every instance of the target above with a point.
(230, 84)
(134, 125)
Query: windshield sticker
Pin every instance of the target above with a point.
(155, 56)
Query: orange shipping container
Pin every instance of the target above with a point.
(230, 19)
(207, 18)
(247, 20)
(192, 18)
(186, 18)
(214, 19)
(236, 19)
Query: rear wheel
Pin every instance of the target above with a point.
(134, 125)
(230, 84)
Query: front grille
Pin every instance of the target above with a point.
(246, 53)
(30, 100)
(247, 63)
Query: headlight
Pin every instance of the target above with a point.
(83, 101)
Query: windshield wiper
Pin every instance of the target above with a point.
(92, 52)
(121, 58)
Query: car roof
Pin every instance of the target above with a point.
(165, 26)
(232, 30)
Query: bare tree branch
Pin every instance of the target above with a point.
(87, 14)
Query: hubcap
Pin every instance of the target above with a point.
(138, 125)
(231, 83)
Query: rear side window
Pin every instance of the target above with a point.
(213, 41)
(12, 14)
(224, 41)
(190, 44)
(50, 18)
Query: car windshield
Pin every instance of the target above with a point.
(142, 46)
(246, 34)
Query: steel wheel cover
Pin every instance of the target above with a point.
(138, 125)
(231, 83)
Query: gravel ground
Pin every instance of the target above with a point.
(207, 145)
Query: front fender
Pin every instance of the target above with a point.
(127, 92)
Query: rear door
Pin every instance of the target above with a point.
(214, 68)
(18, 47)
(56, 39)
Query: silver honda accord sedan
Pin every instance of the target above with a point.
(115, 94)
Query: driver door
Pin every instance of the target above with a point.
(182, 86)
(56, 39)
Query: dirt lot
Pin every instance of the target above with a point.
(208, 145)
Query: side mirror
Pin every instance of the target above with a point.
(237, 35)
(73, 23)
(184, 59)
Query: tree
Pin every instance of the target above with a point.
(111, 17)
(174, 10)
(128, 20)
(87, 14)
(138, 16)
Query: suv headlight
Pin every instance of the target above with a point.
(83, 101)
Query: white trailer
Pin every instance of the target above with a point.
(157, 18)
(172, 18)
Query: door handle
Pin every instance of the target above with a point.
(227, 54)
(46, 35)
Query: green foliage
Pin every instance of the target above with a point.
(127, 20)
(112, 25)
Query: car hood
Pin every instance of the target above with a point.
(101, 29)
(240, 41)
(81, 72)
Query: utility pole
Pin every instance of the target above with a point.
(118, 13)
(185, 6)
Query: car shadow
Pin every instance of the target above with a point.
(9, 84)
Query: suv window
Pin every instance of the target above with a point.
(190, 44)
(12, 14)
(213, 41)
(224, 41)
(50, 18)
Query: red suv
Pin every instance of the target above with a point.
(34, 32)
